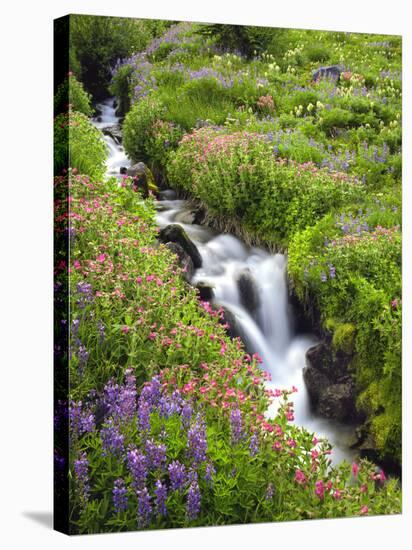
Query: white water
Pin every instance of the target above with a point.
(269, 330)
(116, 154)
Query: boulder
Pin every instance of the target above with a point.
(205, 291)
(316, 382)
(200, 216)
(333, 364)
(115, 132)
(248, 291)
(123, 170)
(333, 72)
(176, 234)
(142, 178)
(337, 402)
(229, 319)
(167, 195)
(183, 259)
(138, 169)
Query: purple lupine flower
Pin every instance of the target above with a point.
(193, 501)
(323, 277)
(269, 492)
(112, 439)
(127, 396)
(156, 454)
(137, 464)
(101, 330)
(332, 271)
(143, 415)
(209, 473)
(120, 499)
(81, 472)
(151, 392)
(144, 507)
(111, 397)
(161, 496)
(254, 445)
(81, 421)
(177, 475)
(187, 412)
(236, 425)
(196, 441)
(82, 355)
(85, 294)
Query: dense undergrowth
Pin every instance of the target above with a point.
(297, 163)
(167, 413)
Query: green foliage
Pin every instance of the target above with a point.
(237, 175)
(71, 92)
(247, 40)
(343, 337)
(97, 42)
(120, 87)
(350, 265)
(78, 144)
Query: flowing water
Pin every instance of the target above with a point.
(268, 330)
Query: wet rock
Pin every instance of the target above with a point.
(176, 234)
(138, 169)
(123, 170)
(99, 119)
(142, 178)
(167, 195)
(315, 382)
(248, 290)
(338, 403)
(230, 321)
(200, 216)
(115, 132)
(205, 291)
(183, 260)
(333, 364)
(333, 72)
(186, 216)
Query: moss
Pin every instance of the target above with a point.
(344, 337)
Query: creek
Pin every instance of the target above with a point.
(268, 328)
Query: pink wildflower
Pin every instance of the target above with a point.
(319, 489)
(300, 477)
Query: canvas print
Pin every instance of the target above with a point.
(228, 296)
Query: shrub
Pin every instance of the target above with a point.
(317, 53)
(335, 119)
(78, 144)
(71, 92)
(238, 175)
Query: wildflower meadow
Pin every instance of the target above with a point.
(291, 141)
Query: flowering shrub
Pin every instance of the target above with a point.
(167, 414)
(239, 175)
